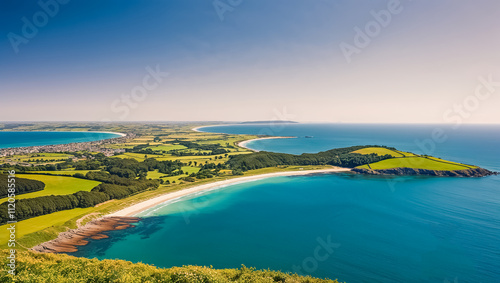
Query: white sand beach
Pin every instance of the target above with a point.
(244, 143)
(115, 133)
(139, 207)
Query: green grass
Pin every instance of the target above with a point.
(167, 147)
(45, 267)
(416, 162)
(379, 151)
(137, 156)
(451, 162)
(39, 223)
(56, 185)
(190, 169)
(155, 174)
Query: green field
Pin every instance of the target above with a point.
(416, 162)
(384, 151)
(39, 223)
(166, 147)
(379, 151)
(56, 185)
(137, 156)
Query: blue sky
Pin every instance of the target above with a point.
(265, 58)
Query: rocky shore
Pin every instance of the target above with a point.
(473, 172)
(68, 241)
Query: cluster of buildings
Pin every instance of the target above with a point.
(94, 146)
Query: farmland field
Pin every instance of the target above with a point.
(415, 162)
(56, 185)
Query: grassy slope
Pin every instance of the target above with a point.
(416, 162)
(56, 185)
(37, 267)
(379, 151)
(409, 160)
(35, 224)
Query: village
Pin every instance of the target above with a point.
(93, 146)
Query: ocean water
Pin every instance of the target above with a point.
(352, 227)
(38, 138)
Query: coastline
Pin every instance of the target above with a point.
(121, 219)
(114, 133)
(243, 144)
(68, 242)
(197, 129)
(142, 206)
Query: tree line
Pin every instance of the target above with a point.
(32, 207)
(22, 185)
(342, 157)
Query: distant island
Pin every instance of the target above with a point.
(270, 121)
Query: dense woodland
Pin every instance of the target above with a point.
(22, 185)
(337, 157)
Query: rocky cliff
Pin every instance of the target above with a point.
(476, 172)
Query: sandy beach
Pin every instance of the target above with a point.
(197, 129)
(115, 133)
(139, 207)
(244, 143)
(70, 240)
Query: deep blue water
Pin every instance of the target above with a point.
(37, 138)
(351, 227)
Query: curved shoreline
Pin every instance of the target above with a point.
(114, 133)
(121, 219)
(197, 129)
(243, 144)
(147, 204)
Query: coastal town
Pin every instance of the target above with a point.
(93, 146)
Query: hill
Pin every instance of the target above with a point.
(38, 267)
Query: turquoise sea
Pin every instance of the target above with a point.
(38, 138)
(352, 227)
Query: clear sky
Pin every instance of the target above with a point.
(235, 60)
